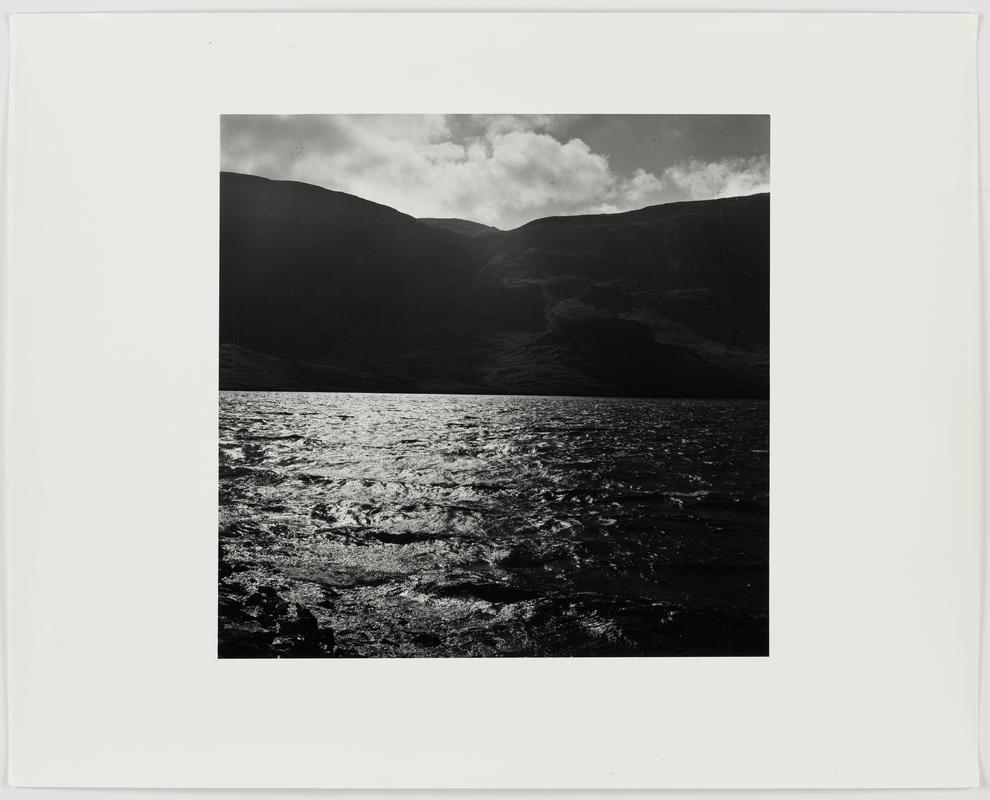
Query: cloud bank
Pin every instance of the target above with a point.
(502, 170)
(727, 178)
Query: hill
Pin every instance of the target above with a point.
(322, 290)
(465, 227)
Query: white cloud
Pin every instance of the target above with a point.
(642, 189)
(729, 177)
(502, 170)
(503, 123)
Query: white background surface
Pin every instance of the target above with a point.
(894, 624)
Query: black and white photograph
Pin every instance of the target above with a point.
(494, 386)
(405, 400)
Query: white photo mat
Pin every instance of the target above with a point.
(112, 402)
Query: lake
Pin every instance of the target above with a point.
(403, 525)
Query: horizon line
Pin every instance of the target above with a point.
(485, 224)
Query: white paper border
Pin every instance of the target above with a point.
(113, 458)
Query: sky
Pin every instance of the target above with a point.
(507, 169)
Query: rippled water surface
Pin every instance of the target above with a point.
(382, 525)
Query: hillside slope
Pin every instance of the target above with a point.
(321, 290)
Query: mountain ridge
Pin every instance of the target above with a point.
(441, 221)
(322, 290)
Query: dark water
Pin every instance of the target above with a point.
(439, 525)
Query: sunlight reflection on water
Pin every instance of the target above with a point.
(443, 525)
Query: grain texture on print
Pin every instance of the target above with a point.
(494, 386)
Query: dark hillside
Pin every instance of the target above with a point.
(321, 290)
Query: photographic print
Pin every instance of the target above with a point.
(494, 386)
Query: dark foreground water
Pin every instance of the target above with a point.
(440, 525)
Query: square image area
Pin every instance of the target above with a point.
(494, 385)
